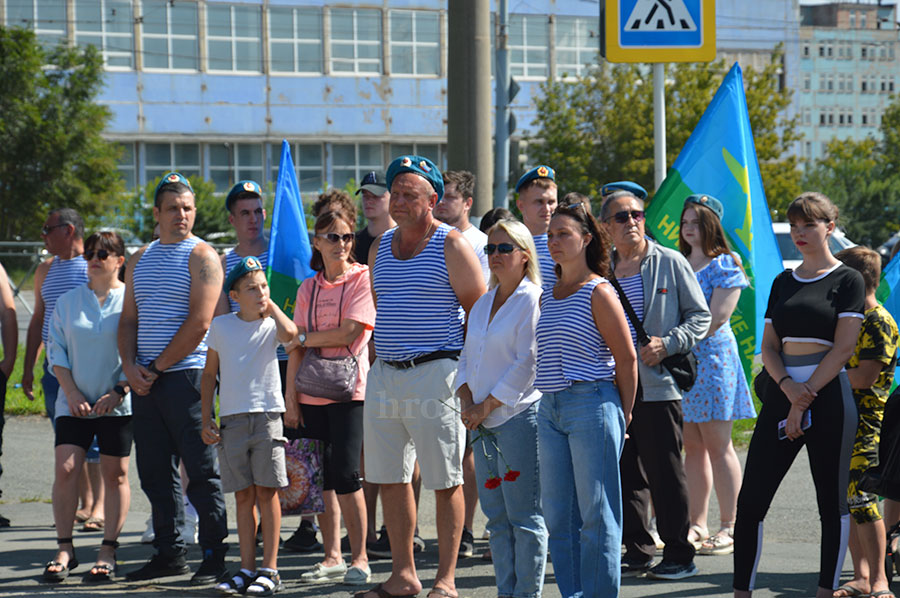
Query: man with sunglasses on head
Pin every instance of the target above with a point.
(375, 206)
(537, 201)
(63, 233)
(663, 291)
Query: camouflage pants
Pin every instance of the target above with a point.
(863, 505)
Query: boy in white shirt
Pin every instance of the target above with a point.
(250, 438)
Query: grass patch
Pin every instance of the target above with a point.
(30, 499)
(16, 403)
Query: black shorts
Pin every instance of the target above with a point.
(114, 433)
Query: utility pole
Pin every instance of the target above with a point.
(659, 123)
(469, 96)
(503, 93)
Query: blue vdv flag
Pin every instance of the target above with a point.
(719, 159)
(289, 249)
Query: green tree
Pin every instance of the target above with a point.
(890, 135)
(599, 128)
(52, 152)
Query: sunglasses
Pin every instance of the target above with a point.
(334, 237)
(502, 248)
(101, 254)
(45, 230)
(623, 216)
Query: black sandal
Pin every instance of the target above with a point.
(103, 572)
(63, 573)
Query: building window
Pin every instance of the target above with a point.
(807, 82)
(106, 24)
(577, 45)
(830, 51)
(232, 162)
(170, 36)
(233, 40)
(415, 42)
(529, 38)
(821, 51)
(830, 83)
(830, 119)
(852, 19)
(355, 40)
(849, 53)
(822, 118)
(160, 158)
(865, 119)
(849, 119)
(862, 20)
(841, 118)
(434, 152)
(883, 85)
(46, 17)
(126, 165)
(891, 85)
(863, 52)
(308, 164)
(840, 83)
(353, 161)
(805, 50)
(295, 40)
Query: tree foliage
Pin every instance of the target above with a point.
(52, 153)
(599, 127)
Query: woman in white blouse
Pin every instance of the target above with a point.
(495, 383)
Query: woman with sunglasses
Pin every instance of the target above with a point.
(720, 394)
(495, 384)
(812, 325)
(660, 286)
(335, 315)
(93, 400)
(586, 371)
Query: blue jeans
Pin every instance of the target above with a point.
(518, 534)
(583, 427)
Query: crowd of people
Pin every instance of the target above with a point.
(536, 366)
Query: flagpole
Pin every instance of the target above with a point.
(659, 122)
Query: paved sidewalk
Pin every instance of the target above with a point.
(788, 566)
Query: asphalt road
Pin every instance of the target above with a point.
(788, 566)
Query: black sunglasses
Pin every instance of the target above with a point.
(101, 254)
(334, 237)
(45, 230)
(502, 248)
(623, 216)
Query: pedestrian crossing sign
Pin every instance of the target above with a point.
(659, 30)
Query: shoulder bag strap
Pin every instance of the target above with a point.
(638, 326)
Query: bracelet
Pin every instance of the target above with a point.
(152, 367)
(119, 390)
(786, 376)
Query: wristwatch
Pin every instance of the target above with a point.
(152, 367)
(302, 338)
(119, 390)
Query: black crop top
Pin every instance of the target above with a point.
(807, 310)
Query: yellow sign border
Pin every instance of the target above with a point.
(704, 53)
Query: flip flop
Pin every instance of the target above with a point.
(382, 593)
(441, 592)
(851, 591)
(94, 524)
(881, 593)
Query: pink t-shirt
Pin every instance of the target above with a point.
(357, 305)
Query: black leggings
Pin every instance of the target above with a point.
(340, 426)
(829, 442)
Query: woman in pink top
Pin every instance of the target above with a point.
(335, 314)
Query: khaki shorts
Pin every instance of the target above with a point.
(407, 417)
(251, 452)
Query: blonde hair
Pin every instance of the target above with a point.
(521, 236)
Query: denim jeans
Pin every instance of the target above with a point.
(518, 534)
(583, 427)
(51, 388)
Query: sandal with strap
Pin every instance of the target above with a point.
(267, 582)
(103, 572)
(721, 543)
(237, 585)
(697, 535)
(65, 569)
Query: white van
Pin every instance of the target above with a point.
(790, 255)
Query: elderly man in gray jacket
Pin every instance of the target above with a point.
(664, 292)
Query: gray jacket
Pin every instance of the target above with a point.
(674, 310)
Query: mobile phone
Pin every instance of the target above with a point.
(805, 423)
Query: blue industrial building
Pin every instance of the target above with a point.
(211, 87)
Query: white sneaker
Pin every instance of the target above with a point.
(149, 535)
(189, 531)
(321, 573)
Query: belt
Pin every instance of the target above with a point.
(411, 363)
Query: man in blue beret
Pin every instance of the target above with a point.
(630, 186)
(537, 201)
(423, 271)
(248, 217)
(172, 288)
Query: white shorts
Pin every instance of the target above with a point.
(409, 414)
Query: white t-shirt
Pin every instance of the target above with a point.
(249, 381)
(478, 240)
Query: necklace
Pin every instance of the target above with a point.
(418, 245)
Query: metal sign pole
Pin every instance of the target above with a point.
(659, 122)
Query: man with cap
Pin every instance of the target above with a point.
(375, 199)
(629, 186)
(428, 270)
(172, 288)
(454, 209)
(537, 202)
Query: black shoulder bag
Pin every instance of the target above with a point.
(682, 366)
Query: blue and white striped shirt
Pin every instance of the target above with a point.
(418, 311)
(231, 260)
(634, 291)
(62, 277)
(569, 348)
(162, 292)
(548, 266)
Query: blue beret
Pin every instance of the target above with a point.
(170, 178)
(629, 186)
(538, 172)
(245, 266)
(708, 201)
(419, 165)
(247, 186)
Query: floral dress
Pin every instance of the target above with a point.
(720, 391)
